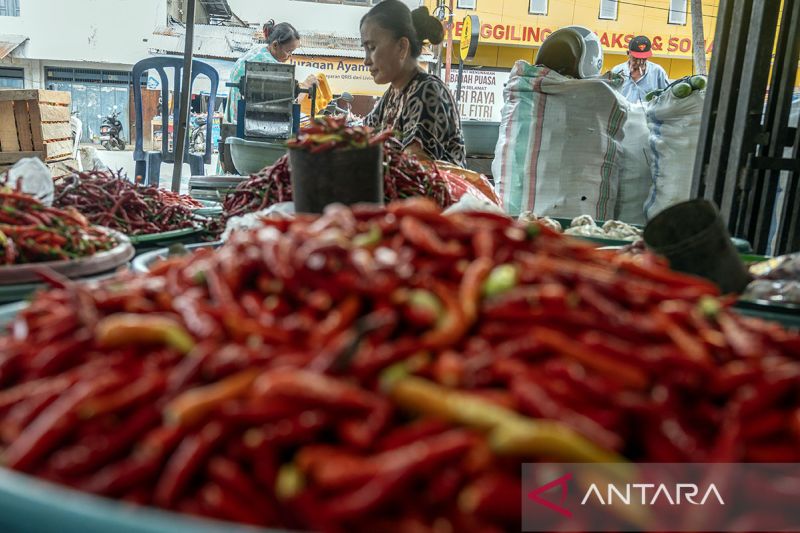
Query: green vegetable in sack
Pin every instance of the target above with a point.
(698, 82)
(652, 95)
(681, 90)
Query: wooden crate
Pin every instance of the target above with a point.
(57, 168)
(35, 122)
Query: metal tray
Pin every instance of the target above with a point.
(164, 235)
(142, 263)
(31, 505)
(15, 275)
(210, 209)
(786, 314)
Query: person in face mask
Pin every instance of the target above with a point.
(641, 76)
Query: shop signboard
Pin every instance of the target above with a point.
(343, 74)
(481, 93)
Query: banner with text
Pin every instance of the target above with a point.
(343, 74)
(481, 93)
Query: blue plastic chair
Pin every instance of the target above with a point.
(148, 164)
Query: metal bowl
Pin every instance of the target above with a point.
(142, 263)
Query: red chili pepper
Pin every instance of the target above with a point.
(121, 477)
(494, 496)
(233, 480)
(90, 453)
(225, 505)
(628, 375)
(186, 460)
(313, 390)
(363, 433)
(23, 413)
(399, 467)
(425, 238)
(534, 400)
(298, 429)
(51, 426)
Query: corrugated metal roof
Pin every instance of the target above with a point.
(229, 42)
(9, 43)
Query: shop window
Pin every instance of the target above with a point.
(12, 78)
(467, 4)
(538, 7)
(9, 8)
(677, 12)
(608, 9)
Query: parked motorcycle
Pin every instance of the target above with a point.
(197, 138)
(111, 132)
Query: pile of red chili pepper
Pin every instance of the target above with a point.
(31, 232)
(333, 133)
(404, 177)
(385, 369)
(108, 199)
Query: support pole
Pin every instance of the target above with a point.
(179, 141)
(460, 78)
(448, 62)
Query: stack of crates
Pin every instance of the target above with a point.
(36, 123)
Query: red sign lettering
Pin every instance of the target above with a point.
(486, 31)
(672, 45)
(686, 45)
(459, 25)
(604, 39)
(616, 41)
(498, 32)
(658, 43)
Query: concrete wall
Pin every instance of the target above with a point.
(103, 31)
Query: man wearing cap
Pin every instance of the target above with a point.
(640, 75)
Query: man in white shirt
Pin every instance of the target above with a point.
(641, 76)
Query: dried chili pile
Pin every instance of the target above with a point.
(385, 370)
(332, 133)
(108, 199)
(404, 177)
(31, 232)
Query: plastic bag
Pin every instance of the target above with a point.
(469, 203)
(253, 220)
(36, 179)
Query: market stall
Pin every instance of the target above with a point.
(313, 371)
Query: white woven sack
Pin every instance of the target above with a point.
(674, 132)
(635, 178)
(559, 149)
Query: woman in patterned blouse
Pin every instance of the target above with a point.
(417, 106)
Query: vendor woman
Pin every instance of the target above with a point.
(417, 105)
(281, 41)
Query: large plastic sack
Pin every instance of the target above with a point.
(560, 145)
(635, 178)
(674, 132)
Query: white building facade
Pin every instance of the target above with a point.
(88, 47)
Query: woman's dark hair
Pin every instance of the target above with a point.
(280, 33)
(417, 26)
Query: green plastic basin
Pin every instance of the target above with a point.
(251, 156)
